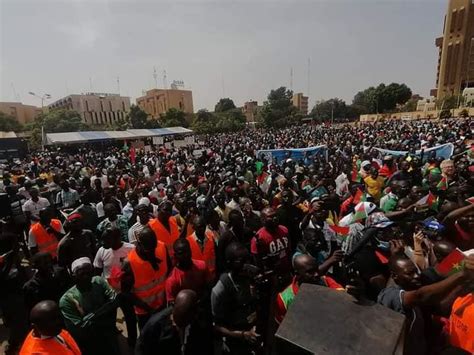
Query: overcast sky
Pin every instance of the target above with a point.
(236, 49)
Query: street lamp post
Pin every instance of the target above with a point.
(42, 98)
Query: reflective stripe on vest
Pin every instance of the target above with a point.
(149, 285)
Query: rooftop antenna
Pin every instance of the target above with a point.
(155, 76)
(15, 94)
(309, 80)
(223, 86)
(165, 83)
(118, 85)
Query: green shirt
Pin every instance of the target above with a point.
(97, 303)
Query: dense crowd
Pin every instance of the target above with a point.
(203, 249)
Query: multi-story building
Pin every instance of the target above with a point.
(96, 108)
(301, 103)
(22, 113)
(158, 101)
(250, 110)
(428, 104)
(456, 50)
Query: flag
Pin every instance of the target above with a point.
(431, 200)
(360, 212)
(355, 176)
(132, 155)
(342, 231)
(360, 196)
(443, 184)
(451, 264)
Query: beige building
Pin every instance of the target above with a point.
(301, 103)
(250, 110)
(456, 50)
(22, 113)
(157, 101)
(96, 108)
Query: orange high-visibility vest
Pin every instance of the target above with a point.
(47, 242)
(461, 323)
(163, 235)
(181, 222)
(207, 253)
(149, 283)
(65, 345)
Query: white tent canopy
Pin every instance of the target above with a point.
(96, 136)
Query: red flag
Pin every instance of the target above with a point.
(451, 264)
(132, 155)
(339, 229)
(358, 197)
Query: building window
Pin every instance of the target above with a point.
(123, 105)
(101, 105)
(461, 18)
(452, 25)
(87, 106)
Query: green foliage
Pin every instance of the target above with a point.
(383, 98)
(464, 113)
(224, 104)
(410, 105)
(278, 110)
(60, 120)
(8, 123)
(325, 109)
(174, 118)
(450, 102)
(137, 117)
(55, 121)
(229, 121)
(445, 114)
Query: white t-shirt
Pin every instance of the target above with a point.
(104, 182)
(105, 259)
(34, 207)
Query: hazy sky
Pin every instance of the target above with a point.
(237, 49)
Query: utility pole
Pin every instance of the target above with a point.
(291, 78)
(155, 76)
(309, 77)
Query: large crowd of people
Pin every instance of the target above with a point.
(203, 249)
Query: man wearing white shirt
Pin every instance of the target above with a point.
(34, 205)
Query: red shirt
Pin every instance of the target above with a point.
(194, 279)
(275, 246)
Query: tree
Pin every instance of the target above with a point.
(445, 114)
(324, 110)
(55, 121)
(137, 117)
(410, 105)
(383, 98)
(464, 113)
(224, 104)
(9, 123)
(174, 118)
(228, 121)
(450, 102)
(278, 110)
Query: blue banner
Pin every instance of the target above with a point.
(305, 155)
(443, 150)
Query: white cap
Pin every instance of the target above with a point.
(80, 262)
